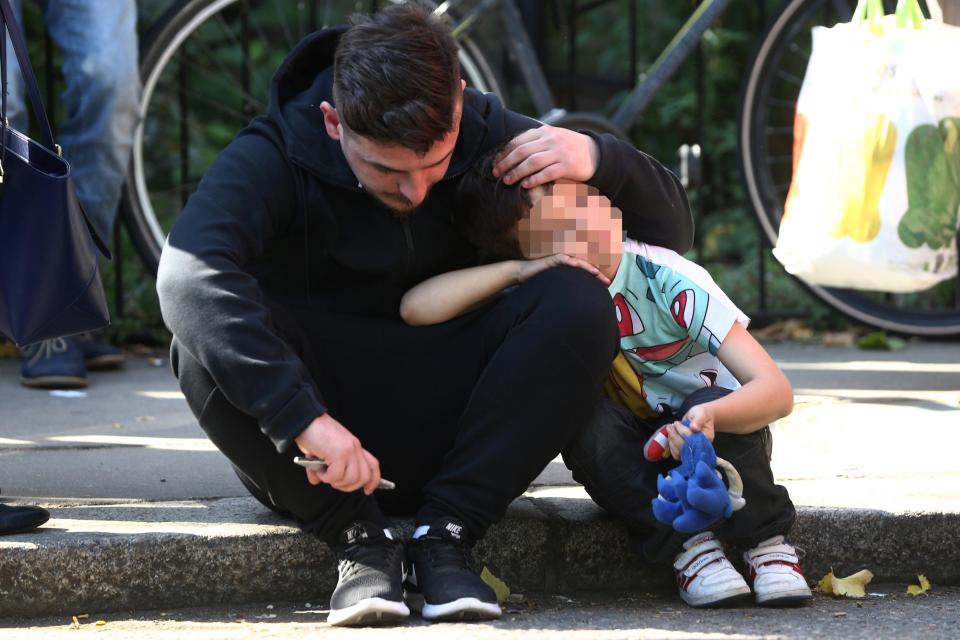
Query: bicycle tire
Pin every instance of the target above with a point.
(146, 217)
(765, 135)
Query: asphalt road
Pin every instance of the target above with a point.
(566, 617)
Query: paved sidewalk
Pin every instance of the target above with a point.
(146, 512)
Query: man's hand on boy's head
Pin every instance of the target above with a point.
(547, 153)
(526, 269)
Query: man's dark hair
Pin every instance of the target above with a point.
(396, 76)
(488, 211)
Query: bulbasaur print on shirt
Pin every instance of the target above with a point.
(672, 319)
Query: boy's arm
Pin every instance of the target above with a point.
(765, 396)
(454, 293)
(451, 294)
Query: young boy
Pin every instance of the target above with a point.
(685, 354)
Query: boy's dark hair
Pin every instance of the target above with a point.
(396, 76)
(488, 211)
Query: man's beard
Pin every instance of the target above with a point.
(398, 206)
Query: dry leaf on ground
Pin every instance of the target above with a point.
(851, 587)
(499, 586)
(915, 590)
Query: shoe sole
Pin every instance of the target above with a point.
(54, 382)
(105, 362)
(724, 601)
(368, 612)
(461, 609)
(786, 598)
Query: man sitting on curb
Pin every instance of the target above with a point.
(282, 280)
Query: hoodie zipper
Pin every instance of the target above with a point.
(408, 236)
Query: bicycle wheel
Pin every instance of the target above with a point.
(206, 71)
(767, 107)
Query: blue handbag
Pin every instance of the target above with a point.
(49, 277)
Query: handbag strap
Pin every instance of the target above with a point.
(8, 24)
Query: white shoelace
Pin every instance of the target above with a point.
(45, 349)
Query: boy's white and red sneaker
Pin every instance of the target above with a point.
(774, 571)
(705, 577)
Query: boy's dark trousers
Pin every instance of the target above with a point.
(607, 458)
(462, 415)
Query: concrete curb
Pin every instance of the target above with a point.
(163, 555)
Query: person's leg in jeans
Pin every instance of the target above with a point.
(607, 458)
(462, 415)
(17, 113)
(98, 39)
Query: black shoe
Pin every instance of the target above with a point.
(370, 588)
(442, 584)
(15, 519)
(99, 354)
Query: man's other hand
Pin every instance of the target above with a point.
(547, 153)
(349, 465)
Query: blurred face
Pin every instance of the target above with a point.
(571, 218)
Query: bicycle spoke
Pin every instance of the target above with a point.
(213, 79)
(782, 159)
(260, 79)
(775, 131)
(801, 51)
(780, 103)
(789, 77)
(191, 184)
(218, 105)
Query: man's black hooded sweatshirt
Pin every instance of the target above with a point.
(279, 220)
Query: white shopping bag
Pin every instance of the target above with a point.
(876, 185)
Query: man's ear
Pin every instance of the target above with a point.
(463, 85)
(331, 120)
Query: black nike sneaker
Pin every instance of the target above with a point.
(370, 588)
(442, 583)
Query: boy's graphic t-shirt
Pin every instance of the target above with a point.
(672, 318)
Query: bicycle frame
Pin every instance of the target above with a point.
(648, 83)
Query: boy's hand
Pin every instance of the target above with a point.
(676, 434)
(349, 465)
(700, 418)
(526, 269)
(547, 153)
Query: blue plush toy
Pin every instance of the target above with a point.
(693, 496)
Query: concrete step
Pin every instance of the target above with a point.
(121, 555)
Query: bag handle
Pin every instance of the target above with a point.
(8, 24)
(908, 11)
(867, 11)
